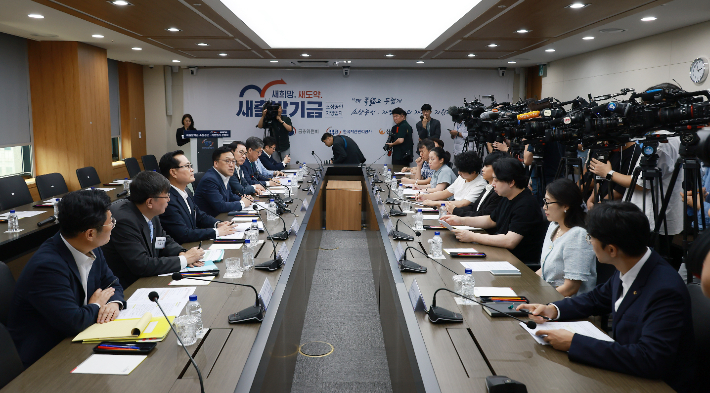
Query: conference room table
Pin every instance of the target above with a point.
(422, 356)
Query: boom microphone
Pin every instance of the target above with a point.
(439, 314)
(253, 313)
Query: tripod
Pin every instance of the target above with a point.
(537, 168)
(569, 162)
(651, 176)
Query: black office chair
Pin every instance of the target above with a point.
(700, 306)
(9, 358)
(87, 177)
(150, 163)
(50, 185)
(14, 192)
(604, 273)
(198, 177)
(7, 288)
(132, 167)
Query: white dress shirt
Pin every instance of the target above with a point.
(183, 259)
(225, 180)
(460, 141)
(629, 277)
(84, 263)
(486, 191)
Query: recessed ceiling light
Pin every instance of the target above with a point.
(511, 62)
(120, 2)
(176, 61)
(349, 61)
(471, 55)
(577, 5)
(36, 16)
(97, 36)
(136, 48)
(523, 31)
(273, 61)
(389, 55)
(649, 19)
(203, 44)
(549, 50)
(492, 45)
(223, 54)
(420, 62)
(305, 55)
(173, 29)
(588, 38)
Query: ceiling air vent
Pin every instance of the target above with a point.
(311, 63)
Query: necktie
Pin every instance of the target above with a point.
(150, 225)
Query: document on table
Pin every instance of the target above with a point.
(241, 227)
(245, 219)
(22, 214)
(466, 228)
(209, 258)
(188, 281)
(410, 192)
(486, 266)
(234, 236)
(493, 291)
(459, 250)
(109, 364)
(102, 189)
(430, 217)
(584, 328)
(172, 299)
(225, 246)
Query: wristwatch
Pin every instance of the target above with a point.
(610, 174)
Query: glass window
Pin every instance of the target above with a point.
(116, 148)
(16, 160)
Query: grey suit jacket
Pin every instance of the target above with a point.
(434, 130)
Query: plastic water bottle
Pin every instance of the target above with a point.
(418, 220)
(271, 213)
(435, 248)
(126, 186)
(467, 285)
(56, 208)
(195, 309)
(12, 223)
(291, 188)
(442, 210)
(247, 255)
(400, 191)
(385, 172)
(253, 233)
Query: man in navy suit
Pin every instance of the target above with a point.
(267, 156)
(213, 195)
(66, 286)
(183, 220)
(238, 182)
(649, 303)
(254, 147)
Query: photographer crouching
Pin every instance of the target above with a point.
(278, 127)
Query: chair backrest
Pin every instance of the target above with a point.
(132, 167)
(50, 185)
(14, 192)
(150, 163)
(700, 306)
(198, 177)
(9, 358)
(87, 177)
(7, 288)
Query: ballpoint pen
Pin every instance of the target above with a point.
(200, 245)
(530, 313)
(109, 285)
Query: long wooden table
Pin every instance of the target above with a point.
(422, 356)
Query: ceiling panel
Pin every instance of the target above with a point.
(191, 43)
(504, 45)
(345, 54)
(479, 55)
(214, 54)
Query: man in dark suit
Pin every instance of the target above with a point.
(254, 148)
(139, 246)
(66, 286)
(213, 195)
(183, 220)
(238, 182)
(648, 301)
(267, 156)
(345, 150)
(428, 128)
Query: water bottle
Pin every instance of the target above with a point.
(126, 186)
(12, 223)
(56, 208)
(253, 233)
(418, 220)
(291, 189)
(385, 172)
(467, 285)
(435, 248)
(247, 255)
(195, 309)
(400, 191)
(271, 213)
(442, 210)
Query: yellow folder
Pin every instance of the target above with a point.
(126, 330)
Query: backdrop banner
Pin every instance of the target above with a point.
(323, 100)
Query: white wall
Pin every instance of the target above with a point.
(160, 128)
(637, 64)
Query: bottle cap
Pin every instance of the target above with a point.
(12, 211)
(469, 270)
(247, 241)
(271, 200)
(443, 204)
(253, 220)
(193, 298)
(56, 199)
(419, 210)
(125, 178)
(436, 233)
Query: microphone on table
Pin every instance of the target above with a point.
(396, 212)
(275, 263)
(47, 221)
(320, 161)
(440, 314)
(122, 193)
(390, 200)
(249, 314)
(426, 256)
(283, 235)
(369, 167)
(153, 297)
(397, 235)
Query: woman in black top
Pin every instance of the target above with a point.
(187, 124)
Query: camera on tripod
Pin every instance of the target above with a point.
(272, 112)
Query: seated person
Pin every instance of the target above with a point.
(422, 172)
(467, 187)
(183, 220)
(648, 301)
(345, 150)
(267, 159)
(250, 168)
(517, 219)
(567, 260)
(139, 247)
(442, 175)
(66, 286)
(213, 195)
(488, 200)
(238, 182)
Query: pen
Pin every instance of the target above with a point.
(530, 313)
(109, 285)
(200, 245)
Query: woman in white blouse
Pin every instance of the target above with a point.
(567, 261)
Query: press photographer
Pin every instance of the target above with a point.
(278, 127)
(401, 135)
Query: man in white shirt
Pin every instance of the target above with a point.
(467, 187)
(459, 135)
(648, 301)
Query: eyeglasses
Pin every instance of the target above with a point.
(112, 224)
(160, 197)
(589, 239)
(228, 161)
(548, 203)
(242, 152)
(189, 165)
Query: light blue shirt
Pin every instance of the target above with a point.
(262, 170)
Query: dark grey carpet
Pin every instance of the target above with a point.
(342, 311)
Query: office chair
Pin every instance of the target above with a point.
(14, 192)
(50, 185)
(150, 163)
(9, 358)
(132, 167)
(700, 306)
(7, 288)
(87, 177)
(198, 177)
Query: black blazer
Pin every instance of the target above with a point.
(471, 210)
(434, 130)
(48, 303)
(346, 151)
(653, 327)
(179, 137)
(183, 225)
(130, 253)
(213, 197)
(271, 164)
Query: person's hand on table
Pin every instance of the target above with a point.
(225, 228)
(259, 188)
(599, 168)
(419, 197)
(451, 219)
(101, 297)
(407, 169)
(546, 310)
(248, 197)
(560, 339)
(108, 312)
(247, 202)
(464, 235)
(193, 256)
(450, 206)
(430, 203)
